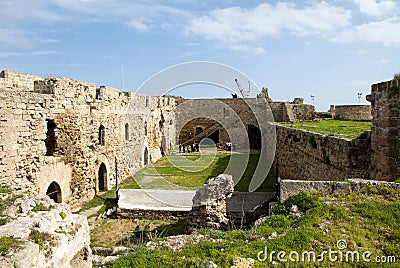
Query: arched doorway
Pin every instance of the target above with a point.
(145, 157)
(254, 135)
(54, 192)
(102, 177)
(215, 136)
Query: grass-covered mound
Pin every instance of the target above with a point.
(365, 222)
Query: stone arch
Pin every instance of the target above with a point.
(102, 177)
(105, 180)
(145, 156)
(254, 135)
(54, 192)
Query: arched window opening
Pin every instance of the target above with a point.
(102, 134)
(50, 140)
(126, 131)
(146, 157)
(54, 192)
(102, 178)
(198, 130)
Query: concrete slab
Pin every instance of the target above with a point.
(151, 199)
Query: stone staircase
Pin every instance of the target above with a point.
(204, 134)
(289, 112)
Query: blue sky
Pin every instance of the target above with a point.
(332, 49)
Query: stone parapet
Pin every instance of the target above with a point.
(306, 155)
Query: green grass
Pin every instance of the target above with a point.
(8, 200)
(40, 207)
(106, 200)
(4, 189)
(40, 238)
(188, 174)
(340, 128)
(7, 243)
(366, 222)
(129, 183)
(170, 169)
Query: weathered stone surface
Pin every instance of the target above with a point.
(209, 204)
(179, 241)
(239, 262)
(102, 260)
(50, 132)
(210, 264)
(64, 239)
(304, 155)
(215, 189)
(352, 112)
(293, 187)
(385, 145)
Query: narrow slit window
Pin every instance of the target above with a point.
(102, 134)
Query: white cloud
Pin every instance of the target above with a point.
(249, 49)
(376, 9)
(236, 26)
(50, 41)
(14, 54)
(385, 31)
(140, 24)
(15, 38)
(383, 61)
(359, 52)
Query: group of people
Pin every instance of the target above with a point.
(189, 148)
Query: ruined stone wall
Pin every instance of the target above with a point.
(198, 125)
(234, 116)
(290, 188)
(305, 155)
(292, 111)
(352, 112)
(10, 80)
(72, 133)
(277, 109)
(303, 112)
(385, 103)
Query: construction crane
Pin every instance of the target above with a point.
(244, 92)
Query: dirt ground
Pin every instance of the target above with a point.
(129, 232)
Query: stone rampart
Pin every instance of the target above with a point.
(304, 155)
(237, 119)
(70, 134)
(353, 112)
(289, 188)
(385, 144)
(12, 80)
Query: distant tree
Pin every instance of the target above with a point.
(396, 76)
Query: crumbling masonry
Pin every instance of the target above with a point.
(63, 137)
